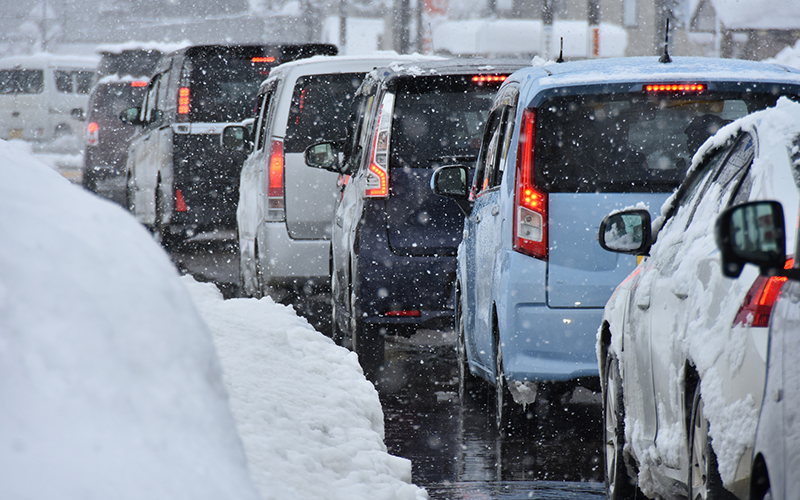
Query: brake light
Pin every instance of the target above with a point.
(180, 203)
(377, 178)
(92, 134)
(267, 59)
(530, 204)
(183, 101)
(757, 307)
(488, 78)
(403, 314)
(694, 88)
(275, 202)
(139, 83)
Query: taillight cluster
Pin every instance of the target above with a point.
(183, 101)
(275, 203)
(92, 134)
(530, 204)
(757, 307)
(377, 178)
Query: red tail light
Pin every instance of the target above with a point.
(92, 134)
(686, 88)
(139, 83)
(275, 202)
(403, 314)
(757, 307)
(180, 203)
(377, 178)
(530, 204)
(183, 101)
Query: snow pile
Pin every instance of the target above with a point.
(312, 425)
(789, 56)
(109, 382)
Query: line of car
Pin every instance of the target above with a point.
(425, 193)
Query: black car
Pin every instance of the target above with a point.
(181, 181)
(394, 242)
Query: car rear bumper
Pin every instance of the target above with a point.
(285, 261)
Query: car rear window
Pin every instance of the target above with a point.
(109, 101)
(628, 142)
(224, 84)
(21, 81)
(319, 110)
(437, 119)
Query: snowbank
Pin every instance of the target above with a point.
(312, 425)
(110, 386)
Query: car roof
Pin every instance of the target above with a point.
(320, 65)
(646, 69)
(457, 66)
(44, 59)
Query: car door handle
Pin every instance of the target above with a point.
(681, 294)
(495, 210)
(477, 218)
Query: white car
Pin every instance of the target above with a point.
(682, 348)
(286, 207)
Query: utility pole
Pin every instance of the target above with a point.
(343, 26)
(593, 20)
(547, 28)
(402, 17)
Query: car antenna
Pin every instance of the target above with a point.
(561, 53)
(665, 58)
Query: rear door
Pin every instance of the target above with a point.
(319, 111)
(436, 121)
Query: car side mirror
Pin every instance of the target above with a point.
(130, 116)
(753, 233)
(236, 138)
(626, 231)
(453, 181)
(324, 155)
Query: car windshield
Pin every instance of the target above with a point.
(224, 84)
(320, 107)
(21, 81)
(624, 142)
(438, 118)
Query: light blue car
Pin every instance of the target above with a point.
(564, 145)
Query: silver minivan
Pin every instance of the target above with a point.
(286, 207)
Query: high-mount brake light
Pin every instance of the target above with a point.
(757, 307)
(139, 83)
(686, 88)
(275, 201)
(377, 178)
(489, 78)
(183, 101)
(530, 204)
(266, 59)
(92, 133)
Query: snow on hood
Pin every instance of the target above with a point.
(312, 425)
(706, 335)
(110, 384)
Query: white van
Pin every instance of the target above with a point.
(44, 97)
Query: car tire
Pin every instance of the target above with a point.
(468, 384)
(160, 230)
(504, 403)
(619, 485)
(704, 480)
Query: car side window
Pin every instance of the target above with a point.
(487, 159)
(151, 101)
(263, 114)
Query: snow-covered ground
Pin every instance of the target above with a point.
(113, 385)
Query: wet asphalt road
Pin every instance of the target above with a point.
(455, 451)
